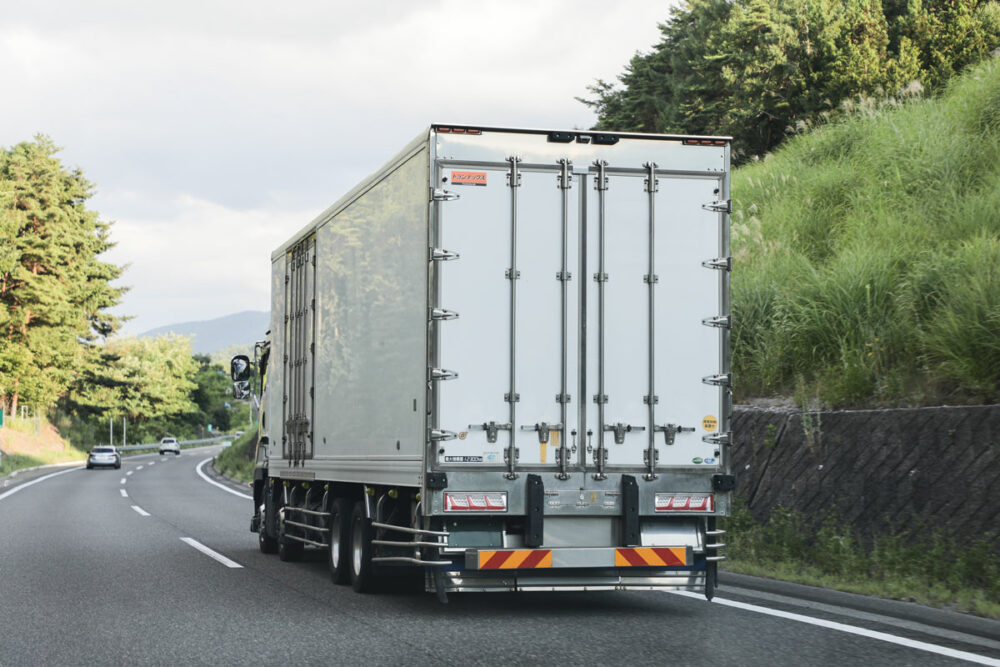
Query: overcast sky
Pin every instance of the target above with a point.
(215, 130)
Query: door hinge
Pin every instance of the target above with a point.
(442, 314)
(442, 374)
(440, 194)
(720, 263)
(721, 380)
(718, 438)
(437, 435)
(719, 206)
(721, 322)
(441, 255)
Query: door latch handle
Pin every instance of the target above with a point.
(543, 429)
(670, 430)
(620, 430)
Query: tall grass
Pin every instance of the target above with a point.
(927, 567)
(236, 461)
(867, 255)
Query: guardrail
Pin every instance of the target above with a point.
(156, 445)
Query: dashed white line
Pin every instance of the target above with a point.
(129, 473)
(140, 511)
(850, 629)
(34, 481)
(123, 480)
(213, 482)
(140, 468)
(124, 493)
(209, 552)
(152, 463)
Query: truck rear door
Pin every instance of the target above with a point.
(577, 314)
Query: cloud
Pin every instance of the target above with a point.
(203, 261)
(212, 126)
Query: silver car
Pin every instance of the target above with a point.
(104, 457)
(169, 445)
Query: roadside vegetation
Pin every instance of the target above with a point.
(236, 461)
(865, 236)
(27, 443)
(867, 255)
(926, 568)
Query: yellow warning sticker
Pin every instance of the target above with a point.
(709, 423)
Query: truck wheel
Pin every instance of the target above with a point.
(267, 544)
(288, 550)
(361, 550)
(340, 541)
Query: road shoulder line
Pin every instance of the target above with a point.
(201, 473)
(851, 629)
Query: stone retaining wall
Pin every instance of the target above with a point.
(878, 470)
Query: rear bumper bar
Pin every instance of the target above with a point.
(605, 557)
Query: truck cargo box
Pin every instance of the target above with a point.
(518, 339)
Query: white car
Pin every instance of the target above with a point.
(170, 445)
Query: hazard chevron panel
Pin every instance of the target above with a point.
(520, 559)
(523, 559)
(651, 556)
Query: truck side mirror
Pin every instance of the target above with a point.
(239, 368)
(241, 390)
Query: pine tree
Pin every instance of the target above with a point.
(54, 289)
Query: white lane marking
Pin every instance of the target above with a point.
(221, 486)
(152, 463)
(35, 481)
(140, 511)
(858, 615)
(123, 481)
(140, 468)
(208, 552)
(129, 473)
(850, 629)
(124, 493)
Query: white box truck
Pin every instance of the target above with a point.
(504, 359)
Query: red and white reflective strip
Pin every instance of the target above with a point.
(460, 501)
(685, 502)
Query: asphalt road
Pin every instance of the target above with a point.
(110, 567)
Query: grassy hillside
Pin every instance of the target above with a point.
(29, 442)
(868, 255)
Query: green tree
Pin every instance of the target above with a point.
(760, 69)
(54, 289)
(213, 389)
(149, 381)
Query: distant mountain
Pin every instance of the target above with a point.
(221, 333)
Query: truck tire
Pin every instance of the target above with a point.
(267, 544)
(339, 553)
(288, 549)
(361, 550)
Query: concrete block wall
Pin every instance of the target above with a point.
(877, 470)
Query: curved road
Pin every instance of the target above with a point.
(153, 564)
